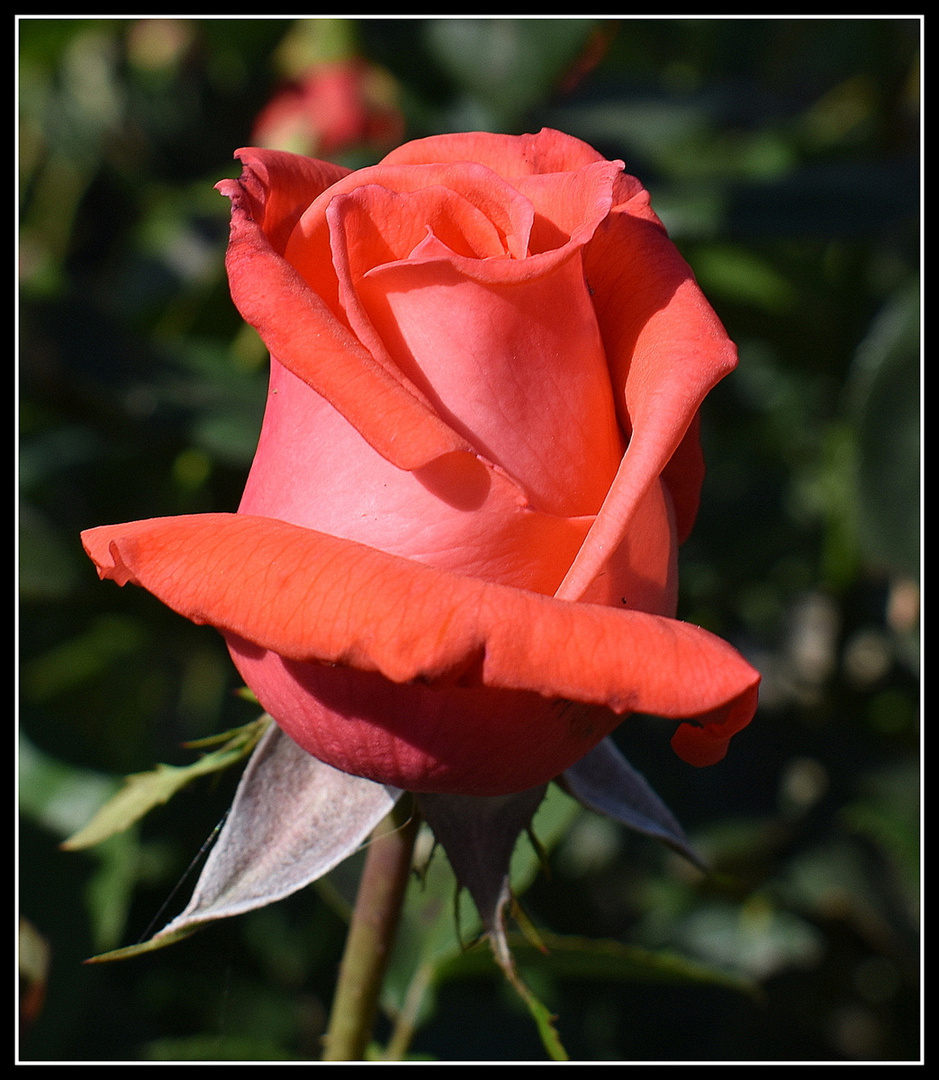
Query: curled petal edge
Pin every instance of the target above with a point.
(665, 354)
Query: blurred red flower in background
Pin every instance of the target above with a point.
(332, 107)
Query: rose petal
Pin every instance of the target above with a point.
(454, 735)
(301, 330)
(642, 574)
(308, 596)
(277, 187)
(666, 349)
(570, 204)
(509, 212)
(377, 225)
(372, 225)
(548, 151)
(417, 305)
(520, 372)
(313, 469)
(568, 208)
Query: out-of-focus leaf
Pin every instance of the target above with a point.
(888, 812)
(840, 881)
(34, 956)
(609, 961)
(56, 795)
(507, 64)
(214, 1048)
(64, 667)
(886, 397)
(110, 890)
(870, 878)
(142, 792)
(48, 567)
(59, 797)
(756, 940)
(733, 273)
(825, 200)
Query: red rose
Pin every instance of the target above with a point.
(454, 565)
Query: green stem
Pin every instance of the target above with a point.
(371, 935)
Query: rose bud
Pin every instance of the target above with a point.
(453, 568)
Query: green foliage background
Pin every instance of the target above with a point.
(783, 155)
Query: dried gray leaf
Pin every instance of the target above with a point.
(292, 820)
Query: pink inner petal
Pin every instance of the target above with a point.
(520, 371)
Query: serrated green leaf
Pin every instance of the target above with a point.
(252, 731)
(142, 792)
(544, 1021)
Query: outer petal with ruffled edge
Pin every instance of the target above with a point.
(453, 684)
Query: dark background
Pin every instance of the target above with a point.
(783, 155)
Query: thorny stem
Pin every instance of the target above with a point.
(371, 934)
